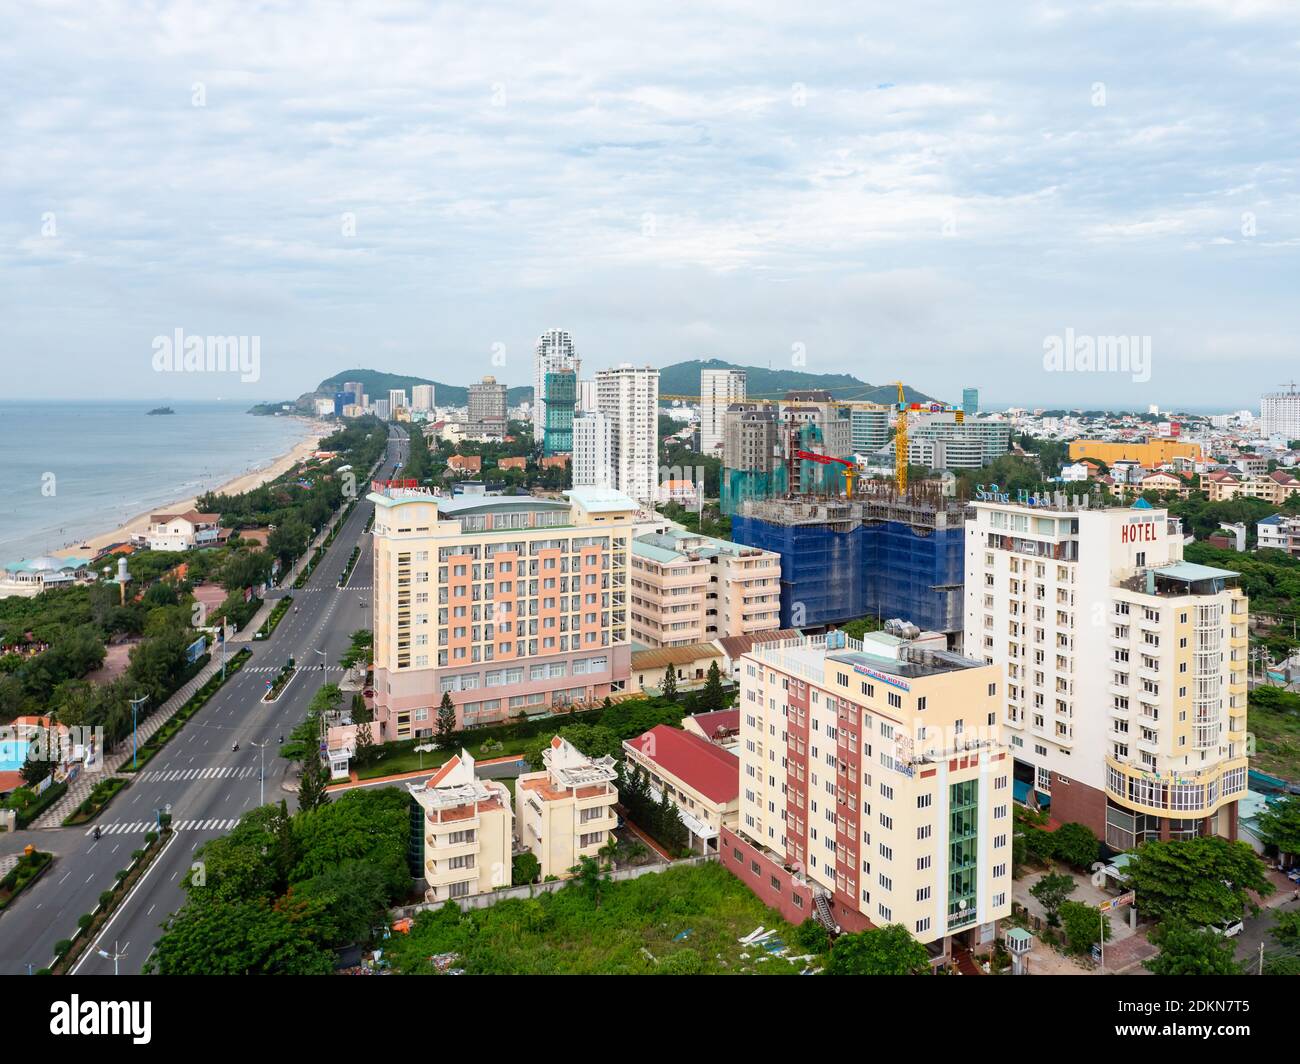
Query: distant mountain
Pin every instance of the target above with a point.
(378, 385)
(683, 378)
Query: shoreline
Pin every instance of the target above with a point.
(314, 432)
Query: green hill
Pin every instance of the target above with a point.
(378, 384)
(683, 378)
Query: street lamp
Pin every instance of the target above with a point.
(135, 702)
(261, 770)
(115, 956)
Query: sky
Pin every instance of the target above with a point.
(945, 193)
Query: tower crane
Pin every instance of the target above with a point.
(900, 443)
(850, 468)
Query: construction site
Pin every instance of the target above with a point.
(879, 553)
(850, 547)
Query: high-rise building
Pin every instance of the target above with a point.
(1280, 414)
(750, 454)
(397, 399)
(358, 391)
(940, 441)
(719, 389)
(629, 397)
(560, 387)
(554, 351)
(487, 408)
(510, 604)
(811, 420)
(588, 401)
(1126, 666)
(593, 451)
(875, 788)
(422, 398)
(381, 409)
(970, 401)
(870, 429)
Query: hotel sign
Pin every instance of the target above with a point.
(1138, 532)
(1055, 500)
(883, 677)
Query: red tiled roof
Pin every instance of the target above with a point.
(443, 772)
(723, 720)
(698, 763)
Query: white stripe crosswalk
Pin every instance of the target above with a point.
(214, 772)
(139, 827)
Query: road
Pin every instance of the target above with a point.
(197, 777)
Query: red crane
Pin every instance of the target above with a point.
(850, 468)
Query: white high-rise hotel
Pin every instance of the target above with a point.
(628, 397)
(719, 388)
(593, 446)
(554, 351)
(1126, 666)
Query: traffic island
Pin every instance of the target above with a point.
(30, 867)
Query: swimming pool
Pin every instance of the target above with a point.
(13, 752)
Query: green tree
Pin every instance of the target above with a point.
(312, 783)
(1279, 825)
(446, 725)
(1200, 881)
(669, 684)
(1076, 845)
(888, 950)
(238, 938)
(591, 878)
(713, 697)
(1083, 924)
(812, 936)
(525, 868)
(1187, 950)
(1051, 891)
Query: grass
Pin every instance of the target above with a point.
(23, 875)
(1277, 742)
(567, 933)
(405, 759)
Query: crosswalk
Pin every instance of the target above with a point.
(223, 772)
(141, 826)
(301, 668)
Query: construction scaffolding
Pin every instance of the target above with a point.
(882, 554)
(561, 397)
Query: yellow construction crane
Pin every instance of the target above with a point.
(900, 443)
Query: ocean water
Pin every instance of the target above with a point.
(71, 470)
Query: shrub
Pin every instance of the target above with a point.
(812, 937)
(84, 921)
(62, 946)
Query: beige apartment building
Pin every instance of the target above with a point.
(688, 588)
(701, 778)
(1125, 702)
(1275, 487)
(875, 788)
(512, 605)
(467, 831)
(566, 812)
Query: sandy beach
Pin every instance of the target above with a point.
(315, 432)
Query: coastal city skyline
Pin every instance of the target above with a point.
(650, 489)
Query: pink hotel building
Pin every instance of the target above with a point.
(510, 604)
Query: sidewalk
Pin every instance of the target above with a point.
(85, 782)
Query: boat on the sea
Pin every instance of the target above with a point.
(161, 410)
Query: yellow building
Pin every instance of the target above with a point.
(566, 812)
(690, 665)
(1152, 453)
(509, 604)
(467, 831)
(701, 778)
(875, 788)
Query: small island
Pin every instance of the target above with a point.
(161, 410)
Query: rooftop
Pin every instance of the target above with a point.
(698, 763)
(662, 657)
(601, 500)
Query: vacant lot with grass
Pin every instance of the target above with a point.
(632, 928)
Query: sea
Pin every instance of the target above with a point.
(70, 470)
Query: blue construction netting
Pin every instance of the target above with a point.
(885, 569)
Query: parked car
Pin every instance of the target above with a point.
(1230, 928)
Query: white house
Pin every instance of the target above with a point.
(183, 531)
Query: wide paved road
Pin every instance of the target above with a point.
(205, 785)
